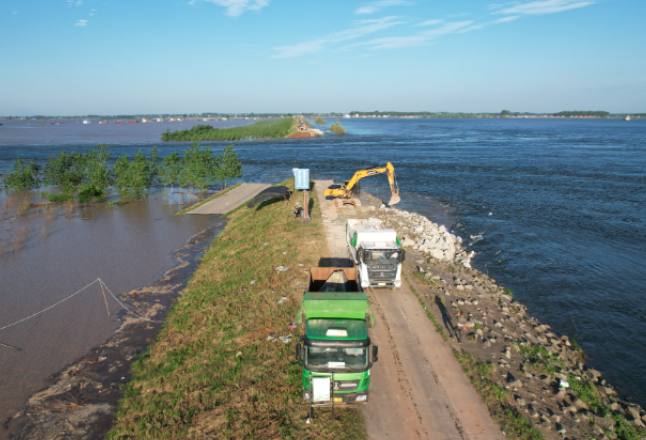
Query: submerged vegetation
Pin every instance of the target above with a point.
(212, 371)
(89, 174)
(270, 129)
(336, 128)
(319, 120)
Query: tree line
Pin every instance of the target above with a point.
(271, 129)
(89, 174)
(596, 114)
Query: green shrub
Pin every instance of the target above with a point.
(59, 198)
(24, 175)
(337, 129)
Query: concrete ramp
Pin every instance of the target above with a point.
(231, 200)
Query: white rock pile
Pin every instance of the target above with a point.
(421, 234)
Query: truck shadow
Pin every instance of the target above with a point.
(446, 318)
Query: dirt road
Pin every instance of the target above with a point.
(418, 389)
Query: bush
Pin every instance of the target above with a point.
(336, 128)
(24, 175)
(88, 191)
(58, 198)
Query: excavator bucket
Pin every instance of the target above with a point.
(394, 199)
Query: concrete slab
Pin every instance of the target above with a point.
(231, 200)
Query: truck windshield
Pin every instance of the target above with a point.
(381, 257)
(336, 357)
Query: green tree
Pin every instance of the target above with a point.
(505, 113)
(198, 167)
(24, 175)
(230, 166)
(155, 164)
(132, 179)
(96, 175)
(67, 171)
(170, 171)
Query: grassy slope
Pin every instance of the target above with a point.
(211, 372)
(213, 197)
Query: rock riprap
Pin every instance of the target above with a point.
(419, 233)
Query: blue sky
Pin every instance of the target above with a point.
(62, 57)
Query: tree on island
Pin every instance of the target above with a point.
(505, 113)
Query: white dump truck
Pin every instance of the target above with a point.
(376, 253)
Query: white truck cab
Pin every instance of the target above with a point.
(375, 252)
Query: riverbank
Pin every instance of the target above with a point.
(536, 383)
(223, 364)
(81, 400)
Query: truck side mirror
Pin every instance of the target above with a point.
(299, 352)
(402, 256)
(375, 352)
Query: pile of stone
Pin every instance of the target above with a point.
(420, 234)
(499, 331)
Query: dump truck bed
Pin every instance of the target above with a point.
(320, 275)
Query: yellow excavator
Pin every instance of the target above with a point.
(345, 191)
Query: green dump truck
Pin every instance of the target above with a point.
(335, 349)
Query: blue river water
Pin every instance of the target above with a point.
(555, 209)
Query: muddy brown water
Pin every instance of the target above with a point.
(127, 247)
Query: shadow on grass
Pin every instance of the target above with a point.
(446, 318)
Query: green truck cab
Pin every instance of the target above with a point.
(334, 318)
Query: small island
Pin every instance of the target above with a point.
(282, 128)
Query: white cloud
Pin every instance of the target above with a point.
(81, 23)
(371, 8)
(397, 42)
(539, 7)
(14, 12)
(506, 19)
(430, 23)
(364, 27)
(448, 28)
(235, 8)
(74, 2)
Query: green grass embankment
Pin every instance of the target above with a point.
(211, 373)
(269, 129)
(213, 197)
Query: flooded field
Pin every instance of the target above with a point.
(49, 254)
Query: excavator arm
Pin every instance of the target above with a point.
(345, 190)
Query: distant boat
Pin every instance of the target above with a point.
(118, 122)
(627, 118)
